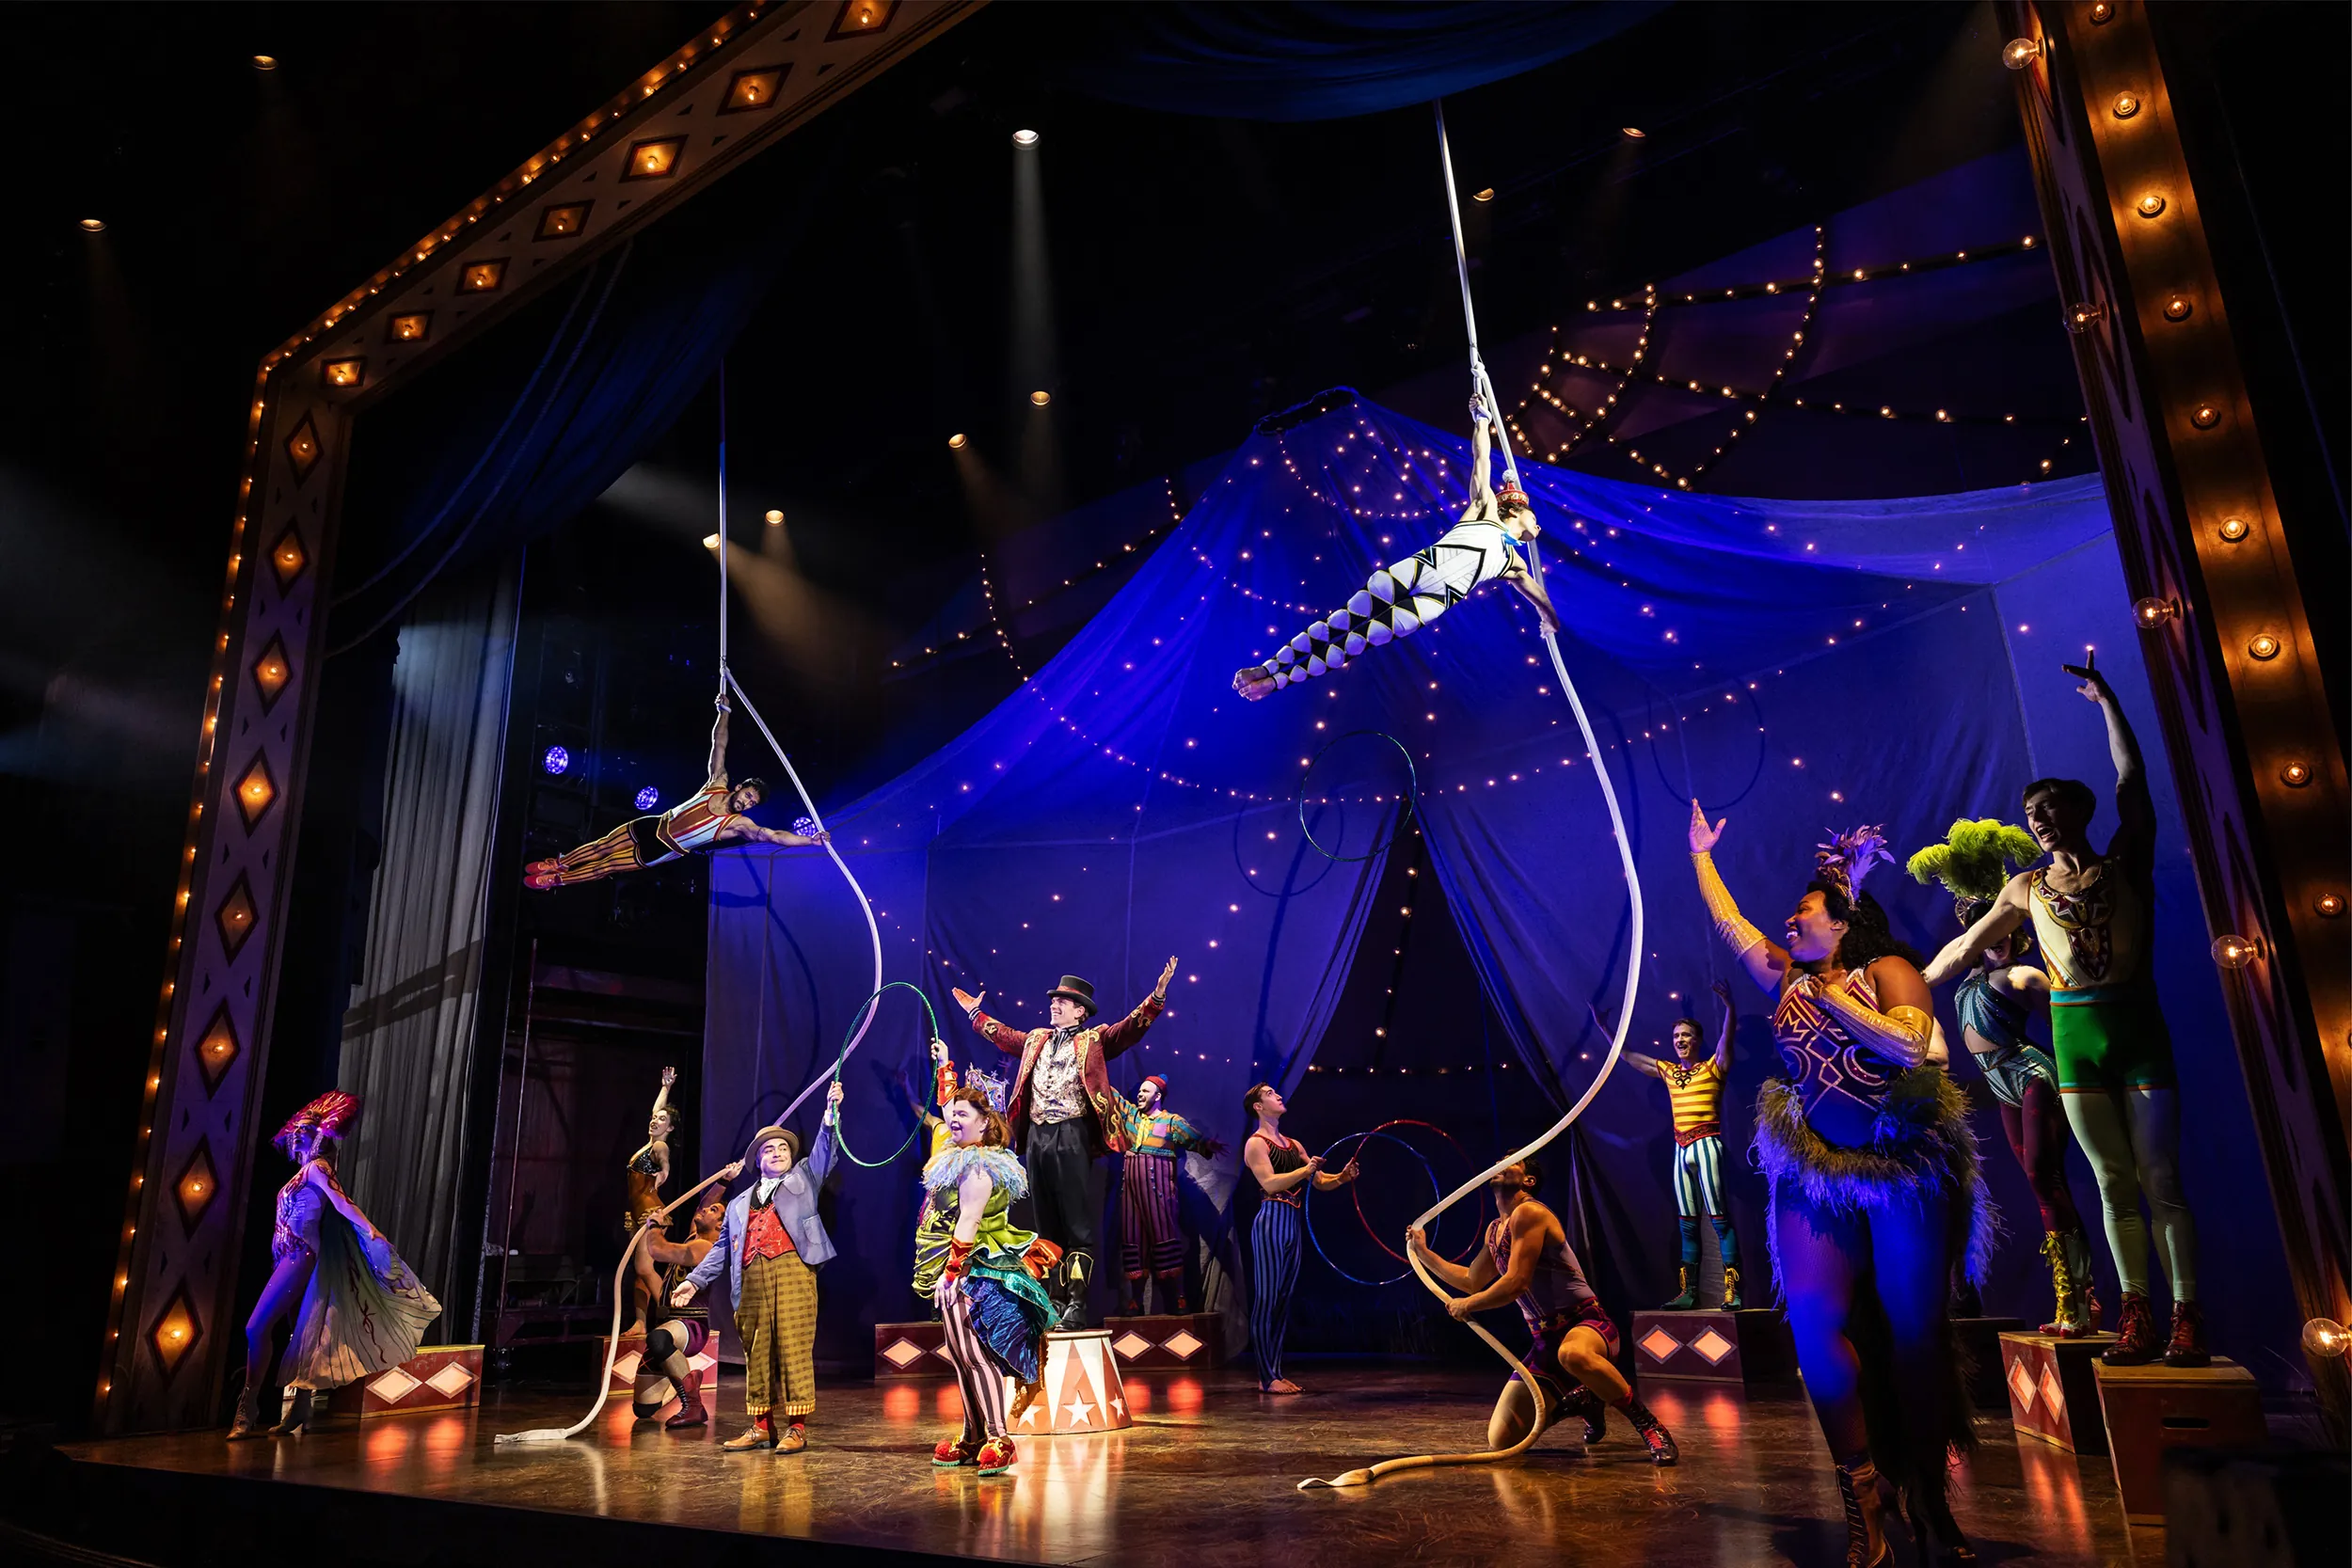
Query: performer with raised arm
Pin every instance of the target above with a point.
(712, 816)
(1277, 1236)
(934, 1225)
(649, 1168)
(1063, 1113)
(2093, 915)
(1526, 1261)
(1994, 1001)
(991, 1298)
(357, 1308)
(676, 1335)
(1875, 1182)
(1149, 1237)
(770, 1244)
(1399, 600)
(1694, 1092)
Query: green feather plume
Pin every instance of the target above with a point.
(1974, 858)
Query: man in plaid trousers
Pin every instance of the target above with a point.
(771, 1245)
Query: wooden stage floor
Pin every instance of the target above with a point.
(1206, 1475)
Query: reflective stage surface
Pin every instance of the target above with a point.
(1208, 1473)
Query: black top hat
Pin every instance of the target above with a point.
(1078, 991)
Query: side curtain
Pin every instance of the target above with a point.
(408, 1038)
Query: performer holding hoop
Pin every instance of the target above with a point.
(1283, 1168)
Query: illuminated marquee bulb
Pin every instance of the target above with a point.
(2236, 952)
(2020, 53)
(2152, 611)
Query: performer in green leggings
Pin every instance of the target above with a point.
(2090, 914)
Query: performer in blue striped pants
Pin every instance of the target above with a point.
(1283, 1168)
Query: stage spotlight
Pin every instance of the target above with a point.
(775, 517)
(957, 442)
(265, 62)
(1486, 195)
(648, 797)
(1025, 138)
(1635, 131)
(710, 541)
(94, 226)
(1040, 397)
(557, 760)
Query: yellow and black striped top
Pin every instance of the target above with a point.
(1696, 1093)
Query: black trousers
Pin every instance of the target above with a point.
(1065, 1191)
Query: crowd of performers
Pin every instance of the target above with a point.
(1877, 1199)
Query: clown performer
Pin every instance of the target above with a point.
(676, 1336)
(933, 1228)
(991, 1292)
(1526, 1261)
(1694, 1092)
(1994, 1001)
(1482, 546)
(711, 816)
(2094, 916)
(1149, 1235)
(1876, 1188)
(770, 1244)
(357, 1309)
(1063, 1113)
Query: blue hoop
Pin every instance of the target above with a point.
(1404, 801)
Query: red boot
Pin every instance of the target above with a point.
(689, 1405)
(2187, 1348)
(2135, 1336)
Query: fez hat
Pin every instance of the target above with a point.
(1078, 991)
(1156, 1078)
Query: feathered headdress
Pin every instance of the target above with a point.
(330, 1113)
(1846, 858)
(1973, 861)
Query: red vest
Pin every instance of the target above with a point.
(765, 1236)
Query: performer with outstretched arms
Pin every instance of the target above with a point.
(1063, 1113)
(1149, 1235)
(934, 1224)
(357, 1309)
(1483, 546)
(1526, 1261)
(1282, 1168)
(712, 816)
(770, 1244)
(676, 1336)
(1694, 1091)
(1875, 1182)
(2092, 917)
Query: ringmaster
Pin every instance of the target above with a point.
(1065, 1115)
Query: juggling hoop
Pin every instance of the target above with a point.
(1404, 801)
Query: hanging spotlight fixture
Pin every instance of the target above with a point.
(1025, 138)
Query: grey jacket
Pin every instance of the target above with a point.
(795, 1203)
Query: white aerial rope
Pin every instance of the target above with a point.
(1484, 390)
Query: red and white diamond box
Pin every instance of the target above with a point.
(2053, 1394)
(1713, 1346)
(1167, 1342)
(438, 1377)
(631, 1354)
(912, 1350)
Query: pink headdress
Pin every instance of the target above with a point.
(330, 1113)
(1846, 858)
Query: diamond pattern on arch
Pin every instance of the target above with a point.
(272, 669)
(175, 1332)
(303, 449)
(236, 916)
(196, 1186)
(216, 1049)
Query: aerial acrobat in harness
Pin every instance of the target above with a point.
(1483, 546)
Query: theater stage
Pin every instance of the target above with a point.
(1205, 1476)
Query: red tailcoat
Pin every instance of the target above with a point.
(1096, 1045)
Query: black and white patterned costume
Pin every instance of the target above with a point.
(1400, 599)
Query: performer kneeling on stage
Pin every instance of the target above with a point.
(675, 1335)
(991, 1298)
(712, 816)
(1399, 600)
(770, 1244)
(1527, 1261)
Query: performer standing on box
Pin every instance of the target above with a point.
(934, 1224)
(357, 1309)
(1527, 1262)
(1063, 1113)
(1149, 1237)
(770, 1244)
(2093, 915)
(1399, 600)
(992, 1300)
(712, 816)
(1283, 1168)
(1695, 1090)
(649, 1168)
(675, 1335)
(1876, 1187)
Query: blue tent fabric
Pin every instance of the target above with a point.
(1327, 59)
(1801, 666)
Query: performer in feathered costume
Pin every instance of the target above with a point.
(934, 1228)
(1876, 1187)
(991, 1294)
(1149, 1234)
(360, 1307)
(1994, 1001)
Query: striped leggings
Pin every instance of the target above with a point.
(1149, 1237)
(626, 848)
(1275, 1246)
(1699, 1191)
(1399, 600)
(977, 1376)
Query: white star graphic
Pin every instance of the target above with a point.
(1118, 1407)
(1080, 1412)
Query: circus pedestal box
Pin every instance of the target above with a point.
(1711, 1345)
(438, 1377)
(912, 1350)
(632, 1353)
(1083, 1390)
(2052, 1394)
(2153, 1409)
(1164, 1342)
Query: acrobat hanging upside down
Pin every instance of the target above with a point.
(1399, 600)
(712, 816)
